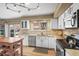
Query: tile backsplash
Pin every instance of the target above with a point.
(71, 31)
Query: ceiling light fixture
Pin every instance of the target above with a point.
(14, 6)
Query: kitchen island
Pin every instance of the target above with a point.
(9, 46)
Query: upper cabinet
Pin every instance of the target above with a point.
(61, 22)
(68, 13)
(39, 25)
(43, 25)
(54, 24)
(75, 7)
(69, 19)
(25, 24)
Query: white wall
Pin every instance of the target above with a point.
(25, 41)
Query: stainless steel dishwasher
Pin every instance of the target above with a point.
(32, 40)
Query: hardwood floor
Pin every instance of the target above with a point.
(29, 51)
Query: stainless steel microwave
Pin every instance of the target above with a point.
(73, 21)
(75, 18)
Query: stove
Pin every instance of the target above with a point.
(73, 42)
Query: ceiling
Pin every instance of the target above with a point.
(44, 9)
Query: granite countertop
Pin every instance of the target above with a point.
(72, 52)
(55, 36)
(10, 39)
(59, 37)
(75, 36)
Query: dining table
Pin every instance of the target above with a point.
(10, 45)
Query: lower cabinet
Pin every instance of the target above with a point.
(52, 42)
(41, 42)
(45, 42)
(38, 41)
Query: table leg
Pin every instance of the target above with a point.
(21, 48)
(11, 49)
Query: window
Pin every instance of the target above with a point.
(2, 30)
(25, 24)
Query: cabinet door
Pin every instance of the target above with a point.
(61, 22)
(68, 23)
(45, 42)
(52, 42)
(68, 12)
(25, 41)
(75, 7)
(38, 41)
(54, 24)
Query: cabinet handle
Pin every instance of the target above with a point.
(72, 21)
